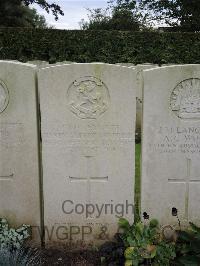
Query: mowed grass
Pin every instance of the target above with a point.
(137, 181)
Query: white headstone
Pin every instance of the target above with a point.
(171, 144)
(19, 170)
(88, 128)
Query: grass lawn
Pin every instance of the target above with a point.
(137, 180)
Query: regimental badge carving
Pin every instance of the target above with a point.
(4, 97)
(88, 97)
(185, 99)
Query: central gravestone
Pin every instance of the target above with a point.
(88, 133)
(171, 144)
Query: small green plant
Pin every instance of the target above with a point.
(188, 247)
(145, 244)
(12, 252)
(11, 238)
(112, 252)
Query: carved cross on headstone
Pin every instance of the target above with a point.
(187, 181)
(6, 177)
(89, 178)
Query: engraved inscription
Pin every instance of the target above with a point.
(6, 177)
(90, 136)
(185, 99)
(4, 97)
(88, 97)
(184, 140)
(11, 135)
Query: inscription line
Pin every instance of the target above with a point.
(6, 177)
(74, 178)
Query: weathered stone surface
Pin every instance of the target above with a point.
(139, 96)
(88, 127)
(126, 64)
(38, 63)
(19, 170)
(42, 64)
(171, 144)
(140, 69)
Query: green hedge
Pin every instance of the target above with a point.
(99, 46)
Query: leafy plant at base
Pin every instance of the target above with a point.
(112, 252)
(145, 245)
(11, 238)
(22, 257)
(12, 252)
(188, 247)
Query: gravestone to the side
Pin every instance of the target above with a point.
(19, 164)
(171, 144)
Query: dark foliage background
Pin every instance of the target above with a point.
(99, 46)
